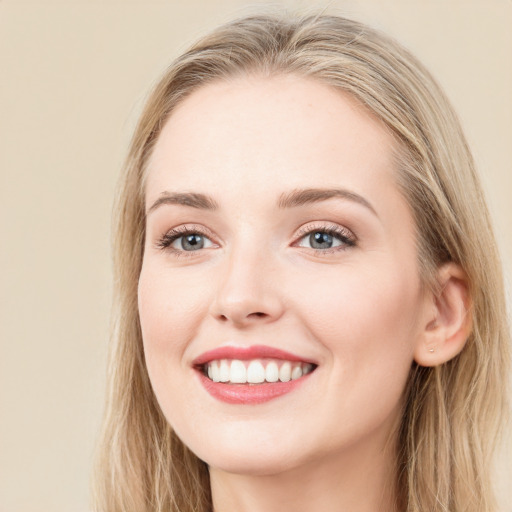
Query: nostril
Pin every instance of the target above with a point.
(243, 316)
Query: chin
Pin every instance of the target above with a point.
(243, 456)
(252, 464)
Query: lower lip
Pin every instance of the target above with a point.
(249, 393)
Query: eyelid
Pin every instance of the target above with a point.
(165, 240)
(331, 228)
(347, 237)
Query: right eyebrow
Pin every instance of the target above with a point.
(192, 199)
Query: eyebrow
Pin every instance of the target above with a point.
(192, 199)
(300, 197)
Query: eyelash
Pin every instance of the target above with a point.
(168, 238)
(345, 236)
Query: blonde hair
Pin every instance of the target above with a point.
(452, 413)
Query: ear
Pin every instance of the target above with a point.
(447, 321)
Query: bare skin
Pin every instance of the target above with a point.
(364, 482)
(228, 170)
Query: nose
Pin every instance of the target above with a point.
(249, 291)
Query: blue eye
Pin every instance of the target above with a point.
(324, 239)
(191, 242)
(320, 240)
(184, 240)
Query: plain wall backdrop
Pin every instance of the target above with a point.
(73, 76)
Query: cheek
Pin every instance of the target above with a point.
(386, 299)
(169, 307)
(367, 321)
(169, 310)
(367, 327)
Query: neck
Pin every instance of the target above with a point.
(360, 481)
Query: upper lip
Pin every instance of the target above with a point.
(245, 353)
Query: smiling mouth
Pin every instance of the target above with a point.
(255, 371)
(251, 375)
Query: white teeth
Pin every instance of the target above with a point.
(224, 371)
(256, 371)
(215, 372)
(272, 372)
(285, 372)
(238, 374)
(296, 373)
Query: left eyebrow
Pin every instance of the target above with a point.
(300, 197)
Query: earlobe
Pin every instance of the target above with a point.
(447, 324)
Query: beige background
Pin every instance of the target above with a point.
(72, 78)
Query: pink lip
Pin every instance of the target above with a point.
(248, 393)
(245, 353)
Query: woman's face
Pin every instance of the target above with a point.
(277, 245)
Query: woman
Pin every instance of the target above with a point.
(310, 310)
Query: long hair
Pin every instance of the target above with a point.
(452, 413)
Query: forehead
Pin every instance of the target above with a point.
(258, 134)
